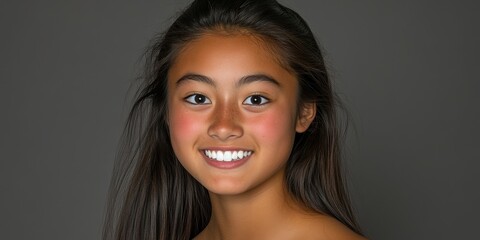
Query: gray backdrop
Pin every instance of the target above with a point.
(407, 71)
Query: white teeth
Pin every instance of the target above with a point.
(219, 156)
(227, 156)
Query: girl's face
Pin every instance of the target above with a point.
(232, 113)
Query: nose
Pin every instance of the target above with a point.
(225, 124)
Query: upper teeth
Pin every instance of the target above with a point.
(227, 155)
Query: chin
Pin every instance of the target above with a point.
(226, 187)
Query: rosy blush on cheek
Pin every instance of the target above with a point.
(271, 127)
(183, 125)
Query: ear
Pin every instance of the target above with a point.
(305, 117)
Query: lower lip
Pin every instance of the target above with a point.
(224, 164)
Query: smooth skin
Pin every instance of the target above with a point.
(229, 92)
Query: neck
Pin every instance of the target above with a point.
(256, 214)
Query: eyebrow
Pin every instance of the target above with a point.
(195, 77)
(255, 78)
(243, 81)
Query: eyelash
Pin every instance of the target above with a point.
(193, 99)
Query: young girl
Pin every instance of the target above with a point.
(233, 134)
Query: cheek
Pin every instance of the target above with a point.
(274, 127)
(183, 125)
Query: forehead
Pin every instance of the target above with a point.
(238, 53)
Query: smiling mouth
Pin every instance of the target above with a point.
(227, 156)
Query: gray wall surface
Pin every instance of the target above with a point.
(407, 71)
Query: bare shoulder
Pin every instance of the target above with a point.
(317, 227)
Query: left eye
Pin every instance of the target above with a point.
(256, 100)
(198, 99)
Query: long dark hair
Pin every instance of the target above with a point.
(153, 197)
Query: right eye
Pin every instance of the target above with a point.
(197, 99)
